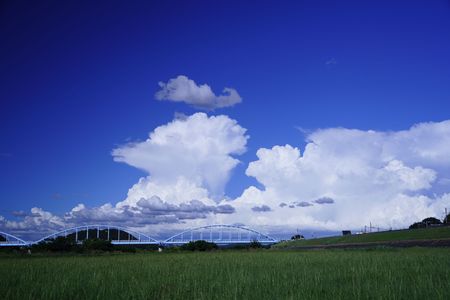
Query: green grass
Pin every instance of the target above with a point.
(386, 236)
(324, 274)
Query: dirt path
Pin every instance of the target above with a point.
(401, 244)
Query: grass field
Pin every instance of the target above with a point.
(395, 235)
(414, 273)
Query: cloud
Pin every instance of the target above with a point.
(331, 61)
(19, 213)
(197, 147)
(183, 89)
(37, 221)
(389, 178)
(262, 208)
(324, 200)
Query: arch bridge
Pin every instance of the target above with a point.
(117, 235)
(8, 240)
(220, 235)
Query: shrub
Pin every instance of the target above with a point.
(199, 246)
(255, 244)
(97, 245)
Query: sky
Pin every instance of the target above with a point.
(280, 115)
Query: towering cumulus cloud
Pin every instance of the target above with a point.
(183, 89)
(197, 148)
(349, 178)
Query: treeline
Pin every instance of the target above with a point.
(431, 222)
(68, 244)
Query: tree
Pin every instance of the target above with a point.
(431, 221)
(297, 237)
(199, 246)
(255, 244)
(97, 244)
(417, 225)
(447, 219)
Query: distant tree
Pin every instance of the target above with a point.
(417, 225)
(297, 237)
(447, 219)
(58, 244)
(425, 223)
(199, 246)
(431, 221)
(97, 245)
(255, 244)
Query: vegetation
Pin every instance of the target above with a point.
(67, 244)
(413, 273)
(385, 236)
(199, 246)
(297, 237)
(427, 222)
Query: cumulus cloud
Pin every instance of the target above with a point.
(387, 178)
(198, 148)
(36, 221)
(345, 178)
(183, 89)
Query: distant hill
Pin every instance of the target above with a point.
(435, 233)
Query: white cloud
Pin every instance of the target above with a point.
(183, 89)
(198, 148)
(37, 221)
(344, 179)
(386, 178)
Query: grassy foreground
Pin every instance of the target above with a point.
(385, 236)
(325, 274)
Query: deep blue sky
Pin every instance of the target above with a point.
(78, 78)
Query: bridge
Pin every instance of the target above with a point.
(8, 240)
(219, 234)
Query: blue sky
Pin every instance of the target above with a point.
(78, 80)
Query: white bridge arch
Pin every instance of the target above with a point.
(116, 234)
(221, 235)
(10, 240)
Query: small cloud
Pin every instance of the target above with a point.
(444, 181)
(324, 200)
(180, 116)
(331, 61)
(57, 196)
(303, 130)
(19, 213)
(262, 208)
(303, 204)
(183, 89)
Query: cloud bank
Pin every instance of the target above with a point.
(347, 178)
(183, 89)
(344, 179)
